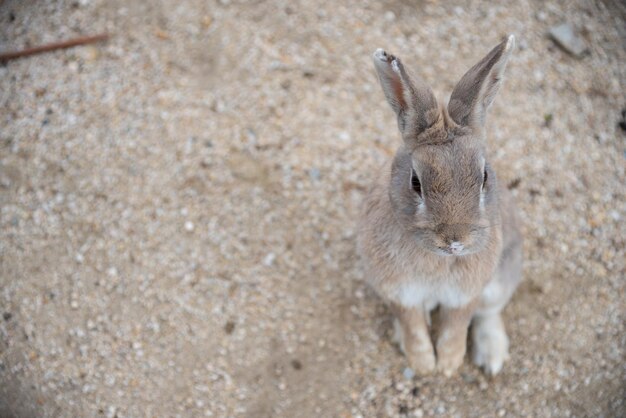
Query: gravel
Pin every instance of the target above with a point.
(565, 37)
(178, 208)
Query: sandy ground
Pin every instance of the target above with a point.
(178, 208)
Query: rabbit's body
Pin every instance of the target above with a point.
(437, 229)
(404, 272)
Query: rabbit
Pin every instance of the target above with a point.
(437, 231)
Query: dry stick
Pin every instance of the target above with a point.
(83, 40)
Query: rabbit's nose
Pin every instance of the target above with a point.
(455, 247)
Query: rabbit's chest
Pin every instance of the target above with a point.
(430, 281)
(430, 294)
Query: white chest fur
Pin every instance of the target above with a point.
(429, 295)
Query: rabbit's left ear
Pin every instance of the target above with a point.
(473, 95)
(412, 100)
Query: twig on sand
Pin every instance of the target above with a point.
(83, 40)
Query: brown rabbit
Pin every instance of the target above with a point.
(437, 230)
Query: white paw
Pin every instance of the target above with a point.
(491, 346)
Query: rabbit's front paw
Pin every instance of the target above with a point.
(450, 351)
(448, 363)
(422, 362)
(417, 347)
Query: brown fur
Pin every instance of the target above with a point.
(457, 245)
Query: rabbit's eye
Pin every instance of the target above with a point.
(415, 183)
(484, 178)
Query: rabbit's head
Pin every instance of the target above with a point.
(442, 187)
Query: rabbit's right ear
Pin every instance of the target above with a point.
(414, 103)
(473, 95)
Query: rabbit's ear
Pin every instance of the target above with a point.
(412, 101)
(473, 95)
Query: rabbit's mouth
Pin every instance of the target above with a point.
(455, 248)
(447, 252)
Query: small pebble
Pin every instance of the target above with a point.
(565, 37)
(269, 259)
(314, 173)
(408, 373)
